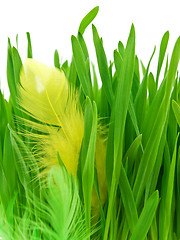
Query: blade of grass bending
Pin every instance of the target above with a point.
(151, 149)
(120, 111)
(29, 48)
(162, 51)
(103, 66)
(88, 19)
(80, 64)
(146, 217)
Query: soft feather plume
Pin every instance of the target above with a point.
(45, 95)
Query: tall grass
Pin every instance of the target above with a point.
(130, 122)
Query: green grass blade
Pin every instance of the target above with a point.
(152, 113)
(4, 114)
(172, 123)
(103, 66)
(10, 74)
(120, 113)
(4, 189)
(140, 102)
(151, 87)
(88, 155)
(151, 149)
(14, 65)
(162, 51)
(17, 64)
(88, 19)
(72, 78)
(128, 200)
(86, 54)
(123, 91)
(29, 49)
(83, 46)
(56, 59)
(143, 68)
(168, 197)
(152, 183)
(131, 153)
(8, 160)
(136, 78)
(80, 64)
(132, 114)
(110, 152)
(178, 195)
(146, 218)
(121, 48)
(150, 153)
(176, 110)
(172, 69)
(96, 92)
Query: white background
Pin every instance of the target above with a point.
(51, 24)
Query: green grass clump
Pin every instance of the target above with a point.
(139, 121)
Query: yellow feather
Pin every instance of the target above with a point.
(45, 95)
